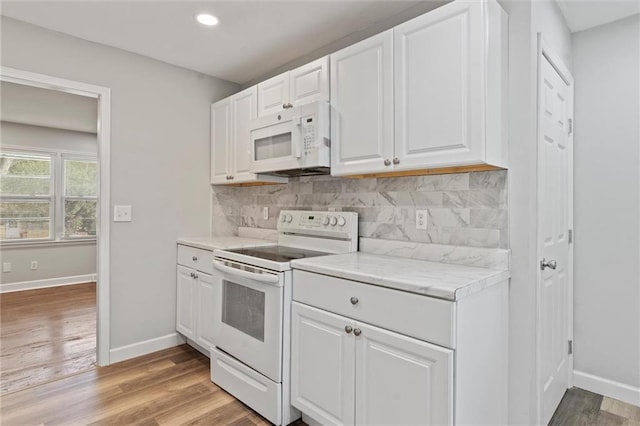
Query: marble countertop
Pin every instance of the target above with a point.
(212, 243)
(442, 280)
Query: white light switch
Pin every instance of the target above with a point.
(122, 213)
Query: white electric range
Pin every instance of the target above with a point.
(253, 289)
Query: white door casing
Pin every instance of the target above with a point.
(555, 219)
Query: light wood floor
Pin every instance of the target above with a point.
(581, 407)
(46, 334)
(169, 387)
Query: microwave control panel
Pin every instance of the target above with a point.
(308, 133)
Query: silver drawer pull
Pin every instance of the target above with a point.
(354, 300)
(357, 332)
(194, 258)
(348, 329)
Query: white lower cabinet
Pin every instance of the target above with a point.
(195, 297)
(346, 372)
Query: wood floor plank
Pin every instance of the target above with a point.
(46, 334)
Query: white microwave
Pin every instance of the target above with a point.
(293, 142)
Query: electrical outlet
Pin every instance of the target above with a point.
(265, 213)
(6, 267)
(122, 213)
(421, 219)
(34, 265)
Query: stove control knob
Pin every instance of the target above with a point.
(325, 220)
(289, 218)
(341, 221)
(283, 218)
(333, 221)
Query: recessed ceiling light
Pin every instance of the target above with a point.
(207, 19)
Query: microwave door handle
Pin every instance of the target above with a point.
(296, 148)
(265, 278)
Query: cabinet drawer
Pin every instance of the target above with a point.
(195, 258)
(422, 317)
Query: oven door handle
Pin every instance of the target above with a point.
(264, 278)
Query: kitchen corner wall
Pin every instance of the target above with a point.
(465, 209)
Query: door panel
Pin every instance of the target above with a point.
(310, 82)
(553, 183)
(206, 301)
(272, 94)
(244, 108)
(220, 141)
(402, 381)
(322, 365)
(185, 317)
(362, 106)
(438, 87)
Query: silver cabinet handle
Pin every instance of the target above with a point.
(194, 258)
(387, 162)
(357, 331)
(284, 106)
(550, 264)
(396, 161)
(354, 300)
(348, 329)
(193, 275)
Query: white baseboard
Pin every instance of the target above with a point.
(146, 347)
(606, 387)
(51, 282)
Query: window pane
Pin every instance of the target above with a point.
(25, 220)
(79, 218)
(25, 175)
(80, 178)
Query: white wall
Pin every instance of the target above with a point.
(27, 136)
(159, 163)
(607, 201)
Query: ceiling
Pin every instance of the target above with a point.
(49, 108)
(253, 37)
(584, 14)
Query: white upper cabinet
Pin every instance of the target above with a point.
(231, 142)
(302, 85)
(449, 95)
(362, 106)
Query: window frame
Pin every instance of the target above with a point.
(63, 197)
(56, 197)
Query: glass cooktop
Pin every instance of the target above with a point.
(277, 253)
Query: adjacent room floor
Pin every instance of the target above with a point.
(46, 334)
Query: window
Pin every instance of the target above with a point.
(47, 196)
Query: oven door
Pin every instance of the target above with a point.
(249, 314)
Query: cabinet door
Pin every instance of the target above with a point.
(362, 106)
(400, 380)
(244, 109)
(205, 302)
(185, 314)
(272, 94)
(221, 141)
(322, 365)
(310, 82)
(439, 90)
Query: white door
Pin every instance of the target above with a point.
(439, 74)
(205, 300)
(554, 222)
(362, 107)
(244, 109)
(273, 94)
(400, 380)
(220, 141)
(310, 82)
(322, 365)
(185, 323)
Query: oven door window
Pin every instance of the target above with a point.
(243, 309)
